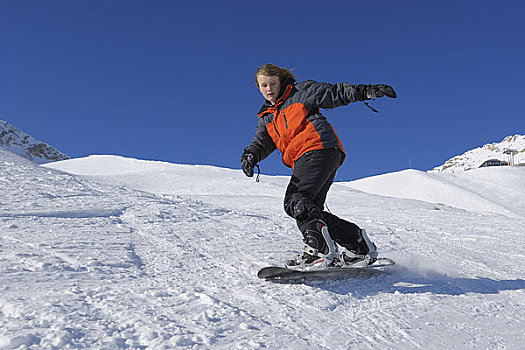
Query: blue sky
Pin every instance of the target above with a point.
(174, 80)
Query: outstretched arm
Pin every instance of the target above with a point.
(325, 95)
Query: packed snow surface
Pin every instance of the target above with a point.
(493, 189)
(139, 254)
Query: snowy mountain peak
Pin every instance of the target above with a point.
(18, 142)
(476, 157)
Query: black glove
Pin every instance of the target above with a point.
(248, 162)
(379, 90)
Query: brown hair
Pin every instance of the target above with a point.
(270, 70)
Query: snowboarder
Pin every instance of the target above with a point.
(290, 120)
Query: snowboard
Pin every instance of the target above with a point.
(279, 273)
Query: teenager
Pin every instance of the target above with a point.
(290, 120)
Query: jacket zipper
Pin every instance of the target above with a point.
(285, 121)
(275, 127)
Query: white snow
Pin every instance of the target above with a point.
(493, 189)
(18, 142)
(150, 255)
(474, 158)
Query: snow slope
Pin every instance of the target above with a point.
(168, 178)
(164, 256)
(493, 189)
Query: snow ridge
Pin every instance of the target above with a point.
(495, 189)
(474, 158)
(18, 142)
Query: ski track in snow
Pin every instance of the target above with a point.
(88, 264)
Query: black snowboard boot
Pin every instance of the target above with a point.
(365, 250)
(316, 251)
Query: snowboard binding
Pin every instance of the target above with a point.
(365, 254)
(321, 252)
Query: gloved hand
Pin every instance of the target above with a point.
(248, 162)
(379, 90)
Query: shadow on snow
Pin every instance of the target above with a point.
(405, 281)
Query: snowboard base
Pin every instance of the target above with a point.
(279, 273)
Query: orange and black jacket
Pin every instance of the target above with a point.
(294, 125)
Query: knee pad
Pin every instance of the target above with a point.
(294, 205)
(300, 207)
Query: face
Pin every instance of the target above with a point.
(269, 87)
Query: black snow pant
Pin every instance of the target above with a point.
(313, 174)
